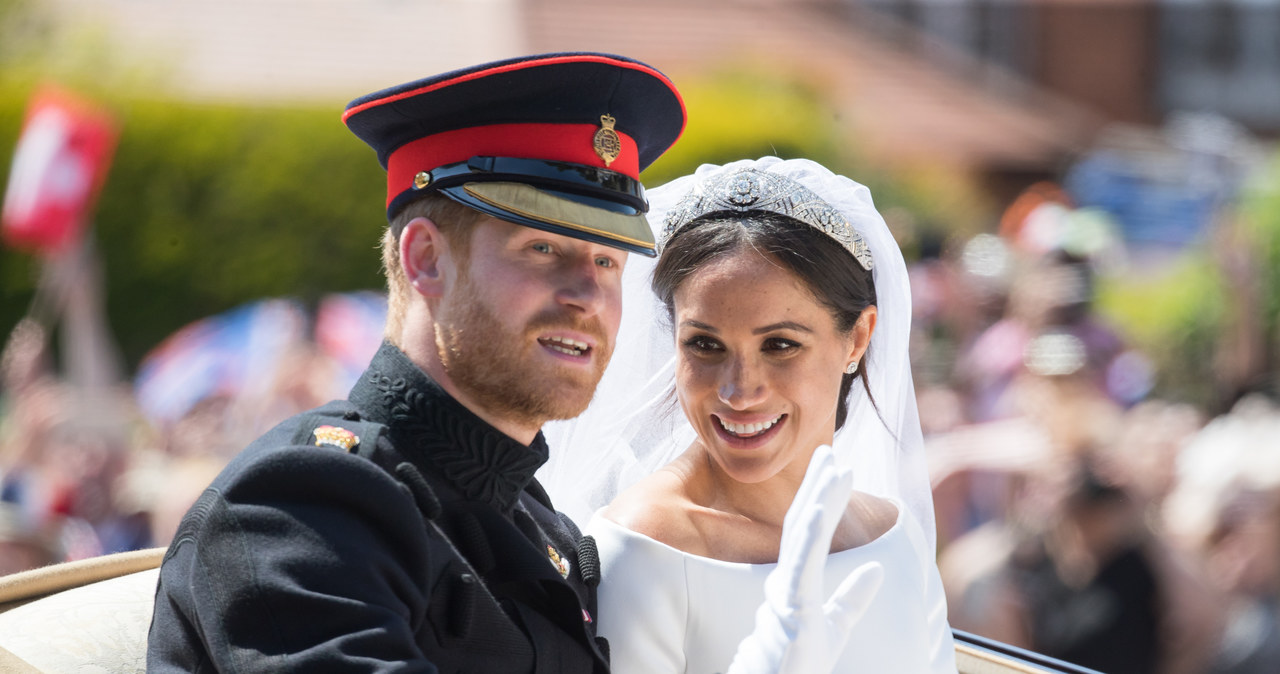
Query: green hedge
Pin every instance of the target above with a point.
(206, 207)
(209, 206)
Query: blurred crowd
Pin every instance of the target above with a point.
(85, 471)
(1078, 515)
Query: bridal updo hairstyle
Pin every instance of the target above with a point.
(829, 271)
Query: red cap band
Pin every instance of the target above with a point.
(572, 143)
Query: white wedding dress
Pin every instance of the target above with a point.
(665, 611)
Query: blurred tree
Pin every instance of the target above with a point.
(210, 206)
(1173, 314)
(757, 109)
(1211, 318)
(1260, 211)
(24, 27)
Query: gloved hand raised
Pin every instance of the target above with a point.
(798, 630)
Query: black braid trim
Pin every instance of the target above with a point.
(589, 561)
(484, 463)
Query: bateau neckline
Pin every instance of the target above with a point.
(858, 549)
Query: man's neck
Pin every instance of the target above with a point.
(425, 356)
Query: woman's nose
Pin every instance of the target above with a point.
(741, 386)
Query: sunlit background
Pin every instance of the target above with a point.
(1087, 193)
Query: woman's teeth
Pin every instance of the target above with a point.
(746, 430)
(565, 345)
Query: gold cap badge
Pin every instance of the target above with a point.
(338, 437)
(606, 141)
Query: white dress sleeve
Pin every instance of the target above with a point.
(643, 606)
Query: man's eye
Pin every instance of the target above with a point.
(543, 247)
(606, 262)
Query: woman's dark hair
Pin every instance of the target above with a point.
(829, 271)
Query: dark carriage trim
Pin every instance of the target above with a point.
(1013, 658)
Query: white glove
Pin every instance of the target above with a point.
(796, 631)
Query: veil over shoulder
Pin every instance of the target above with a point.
(634, 424)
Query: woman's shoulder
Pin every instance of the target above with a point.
(879, 513)
(868, 518)
(657, 507)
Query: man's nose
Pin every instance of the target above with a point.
(581, 289)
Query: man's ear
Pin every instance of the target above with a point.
(424, 254)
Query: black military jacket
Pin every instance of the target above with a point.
(396, 531)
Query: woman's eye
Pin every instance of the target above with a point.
(777, 344)
(704, 344)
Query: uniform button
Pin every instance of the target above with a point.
(351, 415)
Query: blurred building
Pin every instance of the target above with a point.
(1134, 61)
(904, 102)
(1008, 90)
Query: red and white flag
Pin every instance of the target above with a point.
(58, 168)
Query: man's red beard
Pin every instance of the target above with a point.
(499, 369)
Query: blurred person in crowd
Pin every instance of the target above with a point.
(949, 306)
(304, 378)
(403, 526)
(1089, 591)
(1242, 556)
(1057, 412)
(1051, 294)
(1080, 579)
(1142, 458)
(61, 470)
(190, 453)
(23, 545)
(1225, 510)
(1048, 367)
(207, 430)
(24, 360)
(1076, 566)
(66, 439)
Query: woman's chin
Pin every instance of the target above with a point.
(747, 470)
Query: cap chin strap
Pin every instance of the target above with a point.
(609, 189)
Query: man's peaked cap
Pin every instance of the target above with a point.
(552, 141)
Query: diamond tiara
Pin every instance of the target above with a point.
(754, 190)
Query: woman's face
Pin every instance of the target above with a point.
(759, 365)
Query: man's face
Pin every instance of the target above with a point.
(529, 325)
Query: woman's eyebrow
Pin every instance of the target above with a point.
(784, 325)
(697, 325)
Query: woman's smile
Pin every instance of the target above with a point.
(748, 435)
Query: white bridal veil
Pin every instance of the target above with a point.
(634, 424)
